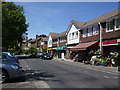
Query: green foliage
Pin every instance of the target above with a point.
(13, 25)
(33, 50)
(44, 50)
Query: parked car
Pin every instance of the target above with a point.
(9, 66)
(46, 56)
(37, 55)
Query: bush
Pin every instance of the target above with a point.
(33, 50)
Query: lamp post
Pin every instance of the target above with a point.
(100, 38)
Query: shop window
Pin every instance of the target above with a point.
(85, 33)
(109, 26)
(117, 24)
(95, 30)
(90, 31)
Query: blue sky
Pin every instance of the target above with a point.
(45, 17)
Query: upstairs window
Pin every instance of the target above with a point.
(109, 26)
(84, 33)
(117, 24)
(70, 36)
(73, 35)
(76, 34)
(95, 30)
(90, 31)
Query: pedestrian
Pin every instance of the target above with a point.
(93, 59)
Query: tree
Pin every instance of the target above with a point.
(13, 25)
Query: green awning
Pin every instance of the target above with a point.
(61, 47)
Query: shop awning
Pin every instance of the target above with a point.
(83, 46)
(49, 48)
(61, 47)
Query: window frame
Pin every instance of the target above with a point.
(110, 30)
(95, 29)
(90, 32)
(84, 34)
(115, 24)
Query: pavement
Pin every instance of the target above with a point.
(93, 67)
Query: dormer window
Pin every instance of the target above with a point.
(109, 26)
(76, 34)
(95, 30)
(90, 31)
(84, 33)
(117, 24)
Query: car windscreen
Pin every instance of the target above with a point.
(10, 55)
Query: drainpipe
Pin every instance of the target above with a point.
(100, 38)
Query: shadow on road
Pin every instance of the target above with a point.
(33, 75)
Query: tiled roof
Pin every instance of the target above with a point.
(62, 34)
(32, 40)
(80, 24)
(53, 35)
(101, 18)
(45, 38)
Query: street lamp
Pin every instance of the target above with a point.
(100, 37)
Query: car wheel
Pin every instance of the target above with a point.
(3, 76)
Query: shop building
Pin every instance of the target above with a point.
(62, 45)
(73, 37)
(52, 43)
(103, 31)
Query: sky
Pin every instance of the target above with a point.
(45, 17)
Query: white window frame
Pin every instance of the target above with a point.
(95, 30)
(115, 24)
(89, 33)
(84, 33)
(107, 26)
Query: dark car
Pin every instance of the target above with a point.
(46, 56)
(37, 55)
(9, 67)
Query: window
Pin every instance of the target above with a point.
(117, 24)
(95, 30)
(109, 26)
(70, 36)
(84, 33)
(73, 35)
(90, 31)
(76, 34)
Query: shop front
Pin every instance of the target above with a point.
(49, 50)
(81, 51)
(61, 51)
(110, 46)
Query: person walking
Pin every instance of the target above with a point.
(93, 59)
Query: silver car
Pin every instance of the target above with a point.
(9, 67)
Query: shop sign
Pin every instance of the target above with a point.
(49, 49)
(110, 42)
(118, 40)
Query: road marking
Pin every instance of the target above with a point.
(28, 68)
(32, 73)
(115, 77)
(41, 84)
(86, 71)
(106, 77)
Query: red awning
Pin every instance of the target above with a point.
(83, 46)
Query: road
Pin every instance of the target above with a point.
(61, 74)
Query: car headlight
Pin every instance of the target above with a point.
(14, 66)
(45, 56)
